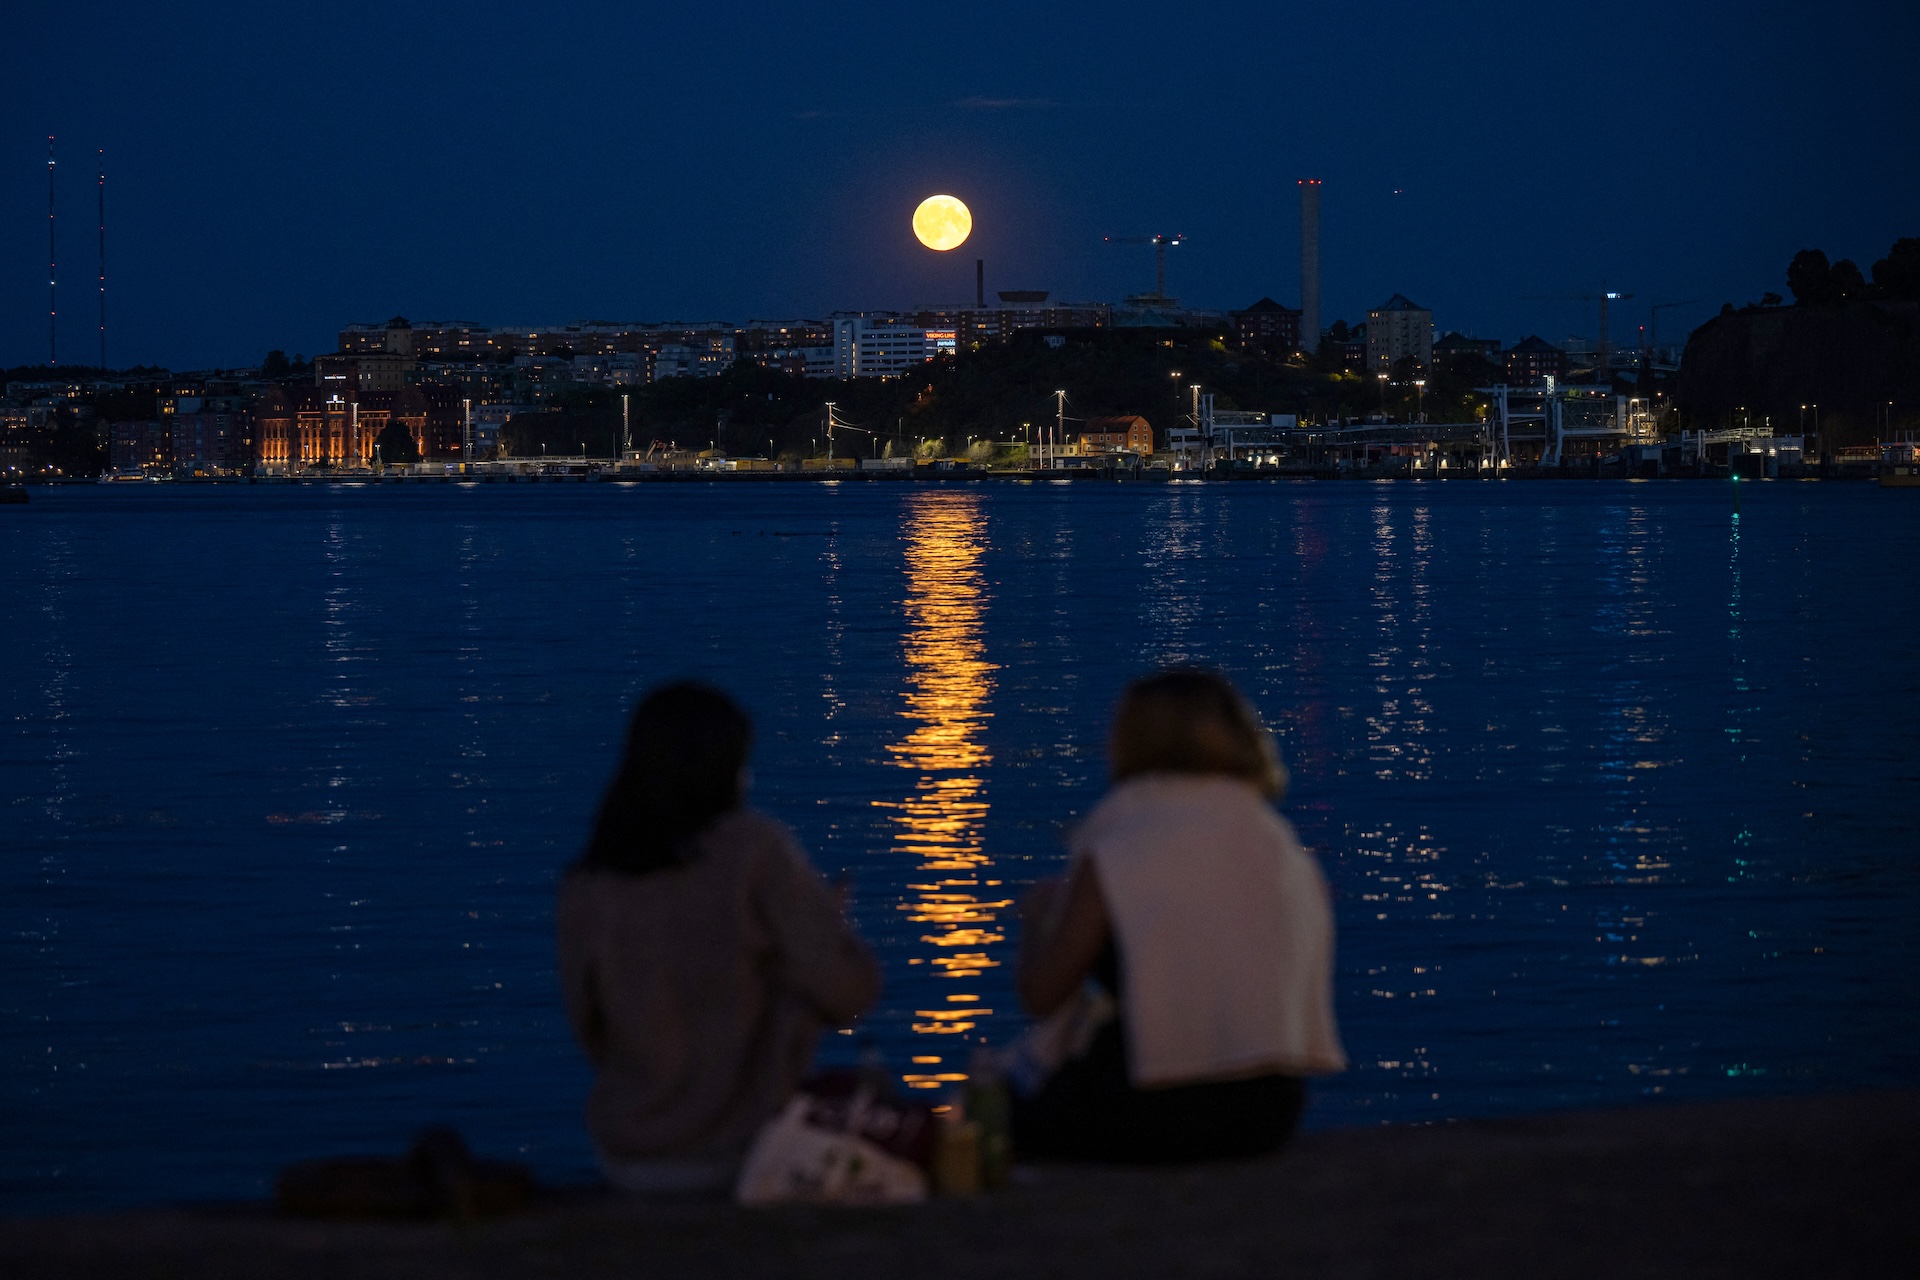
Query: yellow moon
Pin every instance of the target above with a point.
(942, 223)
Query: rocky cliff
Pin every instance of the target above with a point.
(1851, 360)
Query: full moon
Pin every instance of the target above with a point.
(942, 223)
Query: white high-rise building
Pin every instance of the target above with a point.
(866, 348)
(1396, 328)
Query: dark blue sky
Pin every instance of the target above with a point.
(275, 172)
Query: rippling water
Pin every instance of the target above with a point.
(1615, 783)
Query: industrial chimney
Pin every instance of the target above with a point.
(980, 284)
(1310, 264)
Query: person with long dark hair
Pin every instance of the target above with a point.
(701, 954)
(1191, 909)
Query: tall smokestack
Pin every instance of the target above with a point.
(1310, 264)
(980, 284)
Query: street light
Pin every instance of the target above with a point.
(1421, 385)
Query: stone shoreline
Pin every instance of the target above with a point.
(1807, 1186)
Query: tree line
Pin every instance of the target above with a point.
(1815, 282)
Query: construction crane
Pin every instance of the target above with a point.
(1160, 243)
(1606, 297)
(1653, 319)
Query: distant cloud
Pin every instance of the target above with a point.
(1005, 104)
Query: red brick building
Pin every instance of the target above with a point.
(1131, 434)
(1266, 326)
(1532, 360)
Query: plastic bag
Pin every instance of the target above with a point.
(813, 1153)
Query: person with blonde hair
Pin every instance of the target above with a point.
(1190, 903)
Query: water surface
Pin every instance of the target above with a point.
(1614, 783)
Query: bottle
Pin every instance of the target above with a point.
(987, 1108)
(956, 1156)
(873, 1073)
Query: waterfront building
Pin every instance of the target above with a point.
(14, 446)
(301, 428)
(1266, 326)
(1533, 360)
(139, 445)
(208, 435)
(443, 435)
(1128, 434)
(487, 421)
(1397, 329)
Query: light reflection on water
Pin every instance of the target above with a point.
(939, 827)
(1613, 786)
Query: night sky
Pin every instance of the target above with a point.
(277, 171)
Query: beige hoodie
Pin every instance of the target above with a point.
(698, 992)
(1224, 929)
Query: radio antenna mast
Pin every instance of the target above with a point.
(53, 275)
(103, 260)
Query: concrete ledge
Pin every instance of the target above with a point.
(1797, 1187)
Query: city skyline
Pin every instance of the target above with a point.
(601, 165)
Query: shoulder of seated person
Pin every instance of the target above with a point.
(749, 829)
(1157, 790)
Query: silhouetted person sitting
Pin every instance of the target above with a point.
(701, 954)
(1190, 901)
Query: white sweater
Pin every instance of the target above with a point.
(1224, 930)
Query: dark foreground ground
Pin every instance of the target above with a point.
(1797, 1187)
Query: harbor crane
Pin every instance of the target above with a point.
(1160, 243)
